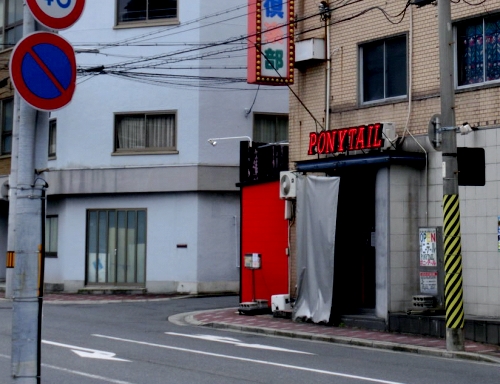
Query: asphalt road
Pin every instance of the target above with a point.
(134, 343)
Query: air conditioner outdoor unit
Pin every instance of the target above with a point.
(389, 136)
(280, 303)
(288, 185)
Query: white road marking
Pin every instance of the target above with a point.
(96, 377)
(236, 342)
(91, 376)
(287, 366)
(87, 353)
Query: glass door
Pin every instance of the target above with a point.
(116, 247)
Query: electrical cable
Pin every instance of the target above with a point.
(161, 59)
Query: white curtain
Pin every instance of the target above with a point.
(146, 131)
(131, 132)
(270, 128)
(317, 198)
(160, 131)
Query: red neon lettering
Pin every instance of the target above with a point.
(352, 133)
(333, 141)
(360, 139)
(330, 141)
(313, 139)
(342, 135)
(377, 143)
(322, 142)
(370, 135)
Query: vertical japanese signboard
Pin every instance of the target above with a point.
(270, 42)
(428, 247)
(430, 261)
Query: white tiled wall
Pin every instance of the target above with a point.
(479, 222)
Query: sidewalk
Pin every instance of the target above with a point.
(267, 324)
(229, 318)
(76, 298)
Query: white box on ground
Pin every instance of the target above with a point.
(280, 303)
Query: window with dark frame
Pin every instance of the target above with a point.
(7, 120)
(130, 11)
(52, 137)
(145, 132)
(478, 50)
(51, 228)
(268, 128)
(383, 69)
(11, 22)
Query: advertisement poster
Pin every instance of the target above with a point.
(428, 282)
(428, 247)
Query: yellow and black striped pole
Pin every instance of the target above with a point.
(453, 290)
(455, 336)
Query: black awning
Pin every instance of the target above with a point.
(411, 159)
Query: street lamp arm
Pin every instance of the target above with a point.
(214, 140)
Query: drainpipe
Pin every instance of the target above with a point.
(326, 15)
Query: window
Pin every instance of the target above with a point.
(145, 132)
(270, 128)
(140, 11)
(11, 22)
(478, 50)
(52, 137)
(51, 236)
(7, 111)
(383, 69)
(116, 246)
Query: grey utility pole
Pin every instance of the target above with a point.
(11, 231)
(451, 209)
(25, 360)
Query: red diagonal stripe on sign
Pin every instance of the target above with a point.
(47, 71)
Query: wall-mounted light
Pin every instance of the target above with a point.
(466, 128)
(213, 141)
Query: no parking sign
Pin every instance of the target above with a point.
(43, 64)
(56, 14)
(43, 70)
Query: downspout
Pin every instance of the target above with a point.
(326, 15)
(407, 130)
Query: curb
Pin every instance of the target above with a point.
(95, 302)
(189, 319)
(424, 351)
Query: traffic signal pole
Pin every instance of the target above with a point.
(455, 339)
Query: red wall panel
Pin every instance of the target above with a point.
(264, 230)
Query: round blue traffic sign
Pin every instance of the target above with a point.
(43, 70)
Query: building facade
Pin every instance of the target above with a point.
(137, 197)
(382, 66)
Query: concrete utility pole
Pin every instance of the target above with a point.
(26, 302)
(11, 231)
(451, 209)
